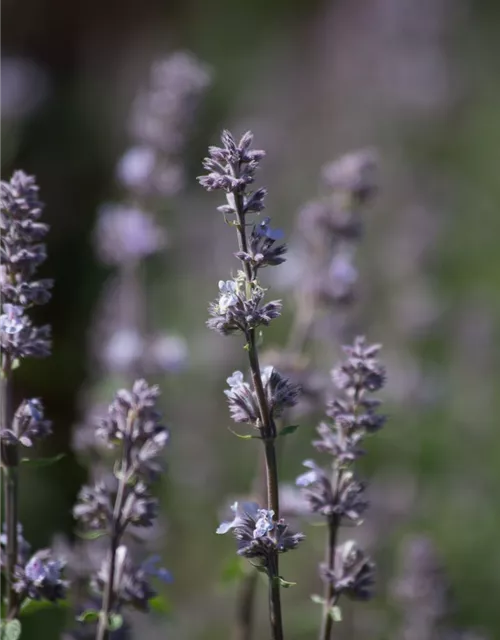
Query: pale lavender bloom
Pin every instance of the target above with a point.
(264, 523)
(228, 294)
(240, 509)
(167, 353)
(126, 234)
(12, 321)
(309, 477)
(123, 350)
(136, 166)
(342, 271)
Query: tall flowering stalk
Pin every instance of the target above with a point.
(241, 309)
(328, 232)
(132, 429)
(335, 492)
(150, 172)
(26, 576)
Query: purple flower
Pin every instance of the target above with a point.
(126, 234)
(12, 321)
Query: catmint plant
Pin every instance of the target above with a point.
(26, 576)
(335, 492)
(149, 172)
(328, 232)
(127, 234)
(241, 309)
(132, 430)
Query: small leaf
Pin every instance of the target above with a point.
(288, 430)
(42, 462)
(30, 606)
(318, 599)
(248, 436)
(160, 604)
(115, 621)
(10, 630)
(90, 615)
(91, 535)
(259, 568)
(284, 583)
(335, 613)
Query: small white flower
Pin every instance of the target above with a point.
(229, 295)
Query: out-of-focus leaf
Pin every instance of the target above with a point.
(43, 462)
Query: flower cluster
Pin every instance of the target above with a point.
(38, 576)
(262, 248)
(258, 534)
(331, 227)
(352, 574)
(22, 251)
(159, 124)
(234, 313)
(132, 429)
(232, 168)
(131, 586)
(28, 425)
(243, 401)
(335, 492)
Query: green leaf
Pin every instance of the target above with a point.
(335, 613)
(234, 570)
(91, 535)
(318, 599)
(288, 430)
(43, 462)
(248, 436)
(160, 604)
(10, 630)
(284, 583)
(115, 621)
(259, 568)
(90, 615)
(30, 606)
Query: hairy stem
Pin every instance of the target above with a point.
(116, 534)
(11, 487)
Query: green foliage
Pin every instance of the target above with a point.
(10, 630)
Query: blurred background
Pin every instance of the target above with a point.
(417, 82)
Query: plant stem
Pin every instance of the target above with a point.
(116, 534)
(245, 607)
(267, 427)
(329, 592)
(11, 487)
(331, 542)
